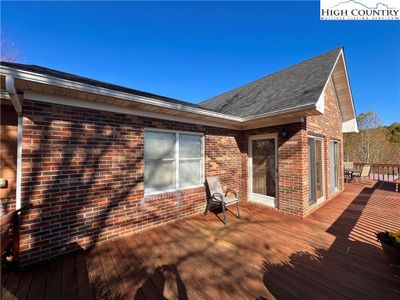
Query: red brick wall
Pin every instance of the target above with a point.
(8, 156)
(224, 152)
(329, 127)
(83, 172)
(292, 165)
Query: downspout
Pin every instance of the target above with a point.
(15, 98)
(16, 101)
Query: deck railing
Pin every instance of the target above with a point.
(9, 225)
(382, 172)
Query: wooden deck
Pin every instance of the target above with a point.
(330, 255)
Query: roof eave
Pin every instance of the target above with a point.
(306, 108)
(64, 83)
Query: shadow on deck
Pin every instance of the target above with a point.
(330, 255)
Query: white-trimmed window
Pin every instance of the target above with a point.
(172, 160)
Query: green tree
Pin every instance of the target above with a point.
(394, 133)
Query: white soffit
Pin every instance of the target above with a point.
(350, 126)
(343, 94)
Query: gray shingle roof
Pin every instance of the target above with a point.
(295, 86)
(298, 85)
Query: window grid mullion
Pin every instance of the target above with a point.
(190, 158)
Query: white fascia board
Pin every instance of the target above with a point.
(350, 126)
(348, 85)
(40, 78)
(320, 105)
(63, 100)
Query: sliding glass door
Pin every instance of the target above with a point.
(334, 166)
(315, 169)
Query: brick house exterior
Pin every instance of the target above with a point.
(82, 167)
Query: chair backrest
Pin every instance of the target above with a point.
(348, 165)
(366, 169)
(214, 185)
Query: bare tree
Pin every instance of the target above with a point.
(8, 51)
(370, 139)
(373, 144)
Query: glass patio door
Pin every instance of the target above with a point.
(315, 170)
(262, 169)
(334, 166)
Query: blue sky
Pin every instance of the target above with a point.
(195, 50)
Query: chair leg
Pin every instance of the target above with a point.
(237, 205)
(207, 209)
(224, 211)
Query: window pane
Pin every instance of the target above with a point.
(264, 181)
(159, 145)
(189, 146)
(159, 175)
(190, 172)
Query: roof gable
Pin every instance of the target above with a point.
(293, 87)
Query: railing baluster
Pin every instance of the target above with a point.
(387, 174)
(393, 174)
(382, 172)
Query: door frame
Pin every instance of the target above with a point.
(257, 198)
(322, 140)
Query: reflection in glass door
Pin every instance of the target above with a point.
(262, 180)
(334, 166)
(315, 170)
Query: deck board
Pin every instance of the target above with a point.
(69, 289)
(53, 286)
(96, 274)
(331, 254)
(148, 291)
(38, 285)
(114, 283)
(82, 273)
(25, 284)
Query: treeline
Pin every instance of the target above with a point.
(374, 143)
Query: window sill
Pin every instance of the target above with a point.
(154, 193)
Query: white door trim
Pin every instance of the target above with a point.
(335, 188)
(323, 197)
(253, 197)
